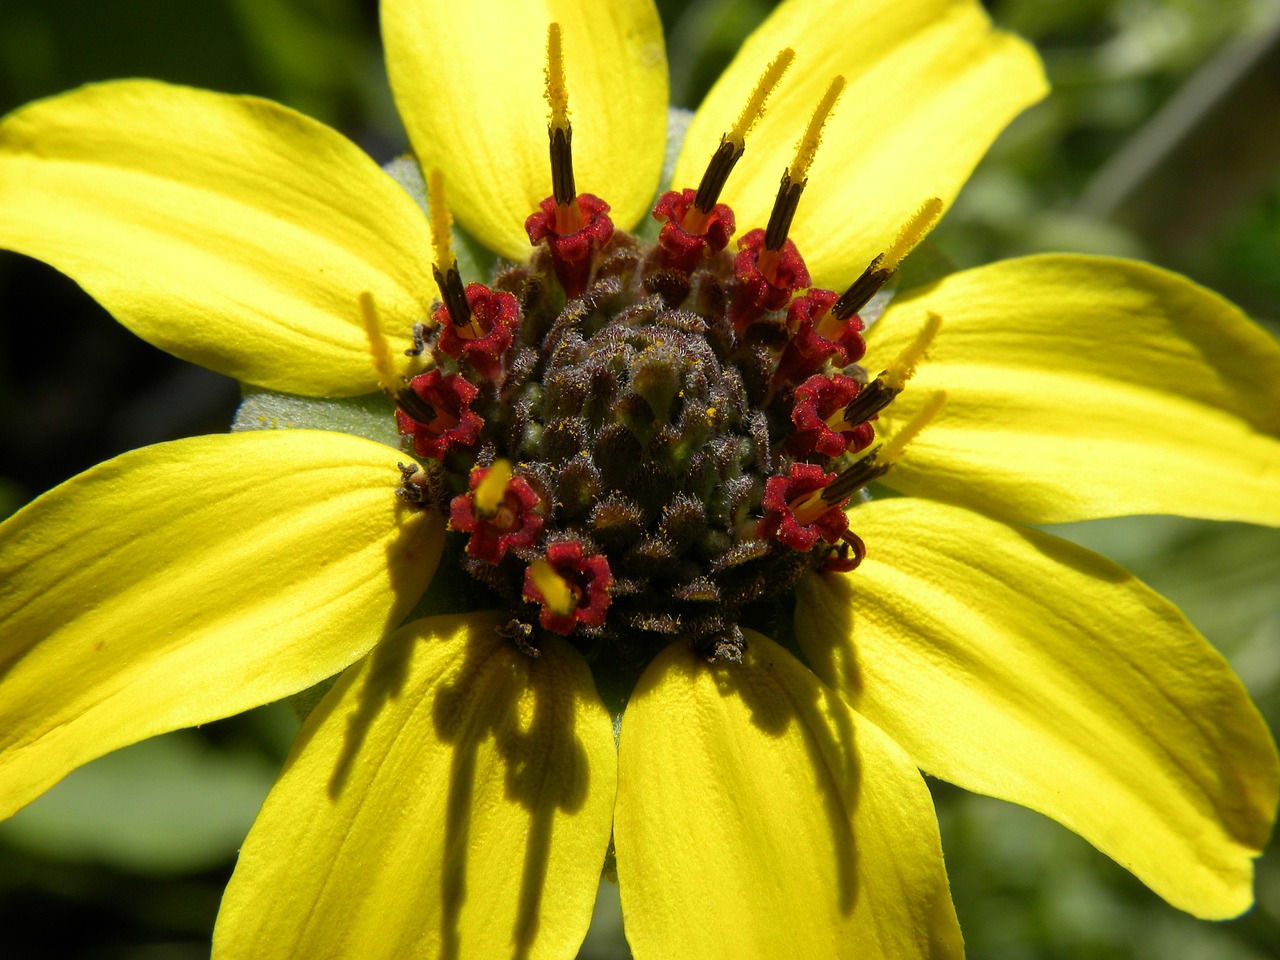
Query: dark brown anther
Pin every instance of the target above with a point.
(784, 211)
(415, 407)
(562, 184)
(871, 399)
(716, 174)
(853, 479)
(454, 294)
(862, 290)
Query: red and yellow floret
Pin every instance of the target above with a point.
(795, 514)
(452, 424)
(500, 511)
(482, 343)
(818, 416)
(571, 585)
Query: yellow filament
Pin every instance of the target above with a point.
(568, 217)
(441, 221)
(491, 490)
(912, 233)
(807, 148)
(556, 592)
(893, 447)
(767, 264)
(904, 365)
(830, 326)
(557, 93)
(810, 508)
(379, 349)
(694, 220)
(755, 106)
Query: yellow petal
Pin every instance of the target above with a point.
(451, 797)
(1082, 387)
(193, 580)
(229, 231)
(930, 84)
(468, 79)
(758, 816)
(1021, 666)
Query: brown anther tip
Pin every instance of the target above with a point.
(563, 188)
(454, 295)
(784, 211)
(713, 180)
(870, 400)
(853, 479)
(860, 292)
(413, 405)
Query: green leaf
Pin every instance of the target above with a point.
(371, 416)
(167, 805)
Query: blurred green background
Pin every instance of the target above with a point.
(1161, 141)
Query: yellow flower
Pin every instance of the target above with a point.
(454, 796)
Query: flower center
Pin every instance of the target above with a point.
(640, 441)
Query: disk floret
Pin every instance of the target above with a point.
(613, 468)
(638, 441)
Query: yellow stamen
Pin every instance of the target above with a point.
(558, 595)
(557, 93)
(448, 279)
(767, 262)
(893, 447)
(560, 134)
(695, 220)
(754, 108)
(807, 148)
(881, 270)
(490, 491)
(441, 220)
(913, 231)
(831, 327)
(838, 420)
(732, 145)
(379, 349)
(793, 182)
(568, 217)
(904, 365)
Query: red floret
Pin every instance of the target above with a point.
(757, 294)
(682, 249)
(808, 350)
(496, 314)
(589, 580)
(572, 254)
(515, 523)
(817, 400)
(793, 517)
(455, 424)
